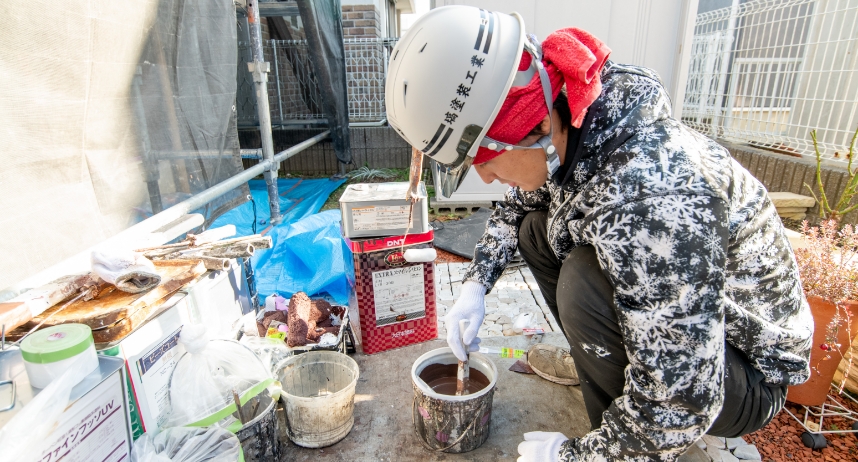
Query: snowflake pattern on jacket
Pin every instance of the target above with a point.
(695, 252)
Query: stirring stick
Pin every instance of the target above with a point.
(238, 406)
(463, 374)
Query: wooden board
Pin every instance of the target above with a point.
(22, 308)
(114, 314)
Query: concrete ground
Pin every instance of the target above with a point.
(383, 430)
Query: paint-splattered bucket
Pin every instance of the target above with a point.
(259, 437)
(318, 397)
(448, 423)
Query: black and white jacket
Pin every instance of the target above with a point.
(695, 252)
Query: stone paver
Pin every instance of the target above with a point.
(728, 449)
(514, 296)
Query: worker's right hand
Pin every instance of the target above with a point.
(541, 447)
(472, 307)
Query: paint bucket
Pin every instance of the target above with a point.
(449, 423)
(318, 397)
(259, 437)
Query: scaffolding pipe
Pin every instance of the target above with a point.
(259, 69)
(133, 236)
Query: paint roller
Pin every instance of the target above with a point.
(420, 255)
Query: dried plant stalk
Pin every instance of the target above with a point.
(827, 269)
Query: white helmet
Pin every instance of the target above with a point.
(447, 79)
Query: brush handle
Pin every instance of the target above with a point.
(463, 325)
(463, 372)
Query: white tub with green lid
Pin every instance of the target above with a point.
(51, 351)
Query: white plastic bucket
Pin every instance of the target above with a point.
(318, 397)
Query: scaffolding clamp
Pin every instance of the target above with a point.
(259, 70)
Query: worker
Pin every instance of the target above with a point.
(662, 259)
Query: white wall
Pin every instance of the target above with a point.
(420, 7)
(651, 33)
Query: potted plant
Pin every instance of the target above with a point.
(828, 266)
(830, 282)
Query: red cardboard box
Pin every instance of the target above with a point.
(395, 300)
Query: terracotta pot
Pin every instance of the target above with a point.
(814, 391)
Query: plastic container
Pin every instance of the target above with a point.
(51, 351)
(318, 397)
(208, 377)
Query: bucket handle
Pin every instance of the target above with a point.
(423, 441)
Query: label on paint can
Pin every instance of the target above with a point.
(380, 217)
(400, 294)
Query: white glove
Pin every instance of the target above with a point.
(541, 447)
(471, 306)
(129, 271)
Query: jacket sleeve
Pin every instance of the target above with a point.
(500, 240)
(666, 258)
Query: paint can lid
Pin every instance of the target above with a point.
(56, 343)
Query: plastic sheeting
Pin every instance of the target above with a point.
(308, 252)
(298, 198)
(459, 237)
(111, 111)
(308, 256)
(188, 445)
(209, 376)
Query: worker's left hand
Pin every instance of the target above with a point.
(541, 447)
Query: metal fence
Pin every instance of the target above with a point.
(293, 92)
(766, 72)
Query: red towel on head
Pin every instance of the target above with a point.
(572, 57)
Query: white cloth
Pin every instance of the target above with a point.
(129, 271)
(470, 306)
(541, 447)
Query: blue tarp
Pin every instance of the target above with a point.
(308, 253)
(298, 199)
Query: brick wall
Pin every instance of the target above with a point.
(361, 21)
(780, 172)
(263, 26)
(364, 63)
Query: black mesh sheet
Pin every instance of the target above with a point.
(323, 27)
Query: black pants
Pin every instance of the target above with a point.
(582, 301)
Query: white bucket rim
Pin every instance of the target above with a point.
(483, 362)
(331, 354)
